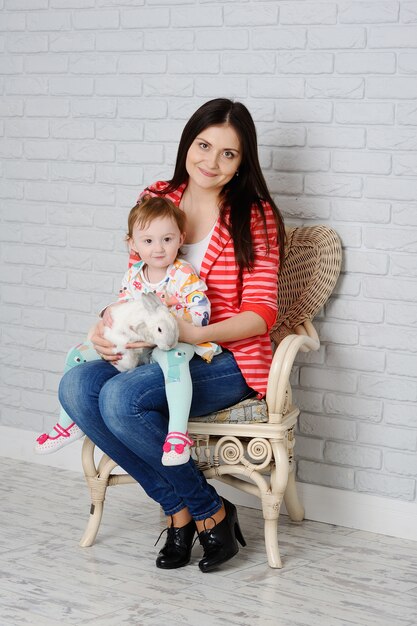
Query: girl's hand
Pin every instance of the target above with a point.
(171, 301)
(103, 346)
(139, 344)
(107, 317)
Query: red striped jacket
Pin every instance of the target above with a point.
(230, 293)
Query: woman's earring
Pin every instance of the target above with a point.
(237, 173)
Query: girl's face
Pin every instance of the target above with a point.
(158, 243)
(214, 157)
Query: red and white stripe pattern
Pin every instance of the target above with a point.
(230, 294)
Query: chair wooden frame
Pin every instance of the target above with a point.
(256, 457)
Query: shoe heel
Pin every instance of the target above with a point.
(239, 536)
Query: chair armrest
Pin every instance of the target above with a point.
(305, 339)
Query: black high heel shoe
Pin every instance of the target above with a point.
(220, 542)
(177, 549)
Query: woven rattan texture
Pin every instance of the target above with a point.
(313, 257)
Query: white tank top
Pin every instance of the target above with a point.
(194, 252)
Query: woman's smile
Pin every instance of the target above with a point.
(214, 156)
(206, 173)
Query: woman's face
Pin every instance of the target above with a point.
(214, 157)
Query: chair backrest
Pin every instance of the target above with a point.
(313, 257)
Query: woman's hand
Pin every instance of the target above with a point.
(188, 333)
(239, 326)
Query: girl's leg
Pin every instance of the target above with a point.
(178, 387)
(66, 430)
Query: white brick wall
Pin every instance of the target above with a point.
(94, 96)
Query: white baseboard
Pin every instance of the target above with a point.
(385, 516)
(361, 511)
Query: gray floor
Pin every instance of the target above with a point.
(332, 576)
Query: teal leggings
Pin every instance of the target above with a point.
(178, 385)
(174, 365)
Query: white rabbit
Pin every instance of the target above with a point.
(145, 319)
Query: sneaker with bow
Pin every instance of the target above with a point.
(46, 444)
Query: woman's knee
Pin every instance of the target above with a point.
(69, 386)
(116, 403)
(110, 401)
(129, 398)
(80, 386)
(115, 407)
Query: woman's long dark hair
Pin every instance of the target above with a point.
(241, 192)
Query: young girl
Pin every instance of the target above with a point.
(155, 235)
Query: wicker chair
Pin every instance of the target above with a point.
(251, 445)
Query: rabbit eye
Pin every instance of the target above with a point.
(159, 330)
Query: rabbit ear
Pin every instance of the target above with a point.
(151, 302)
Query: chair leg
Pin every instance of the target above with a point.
(98, 486)
(270, 510)
(271, 502)
(293, 505)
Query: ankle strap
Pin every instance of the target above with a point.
(180, 436)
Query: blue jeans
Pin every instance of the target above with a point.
(126, 416)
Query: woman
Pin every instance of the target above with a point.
(234, 238)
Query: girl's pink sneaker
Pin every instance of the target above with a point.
(176, 453)
(46, 444)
